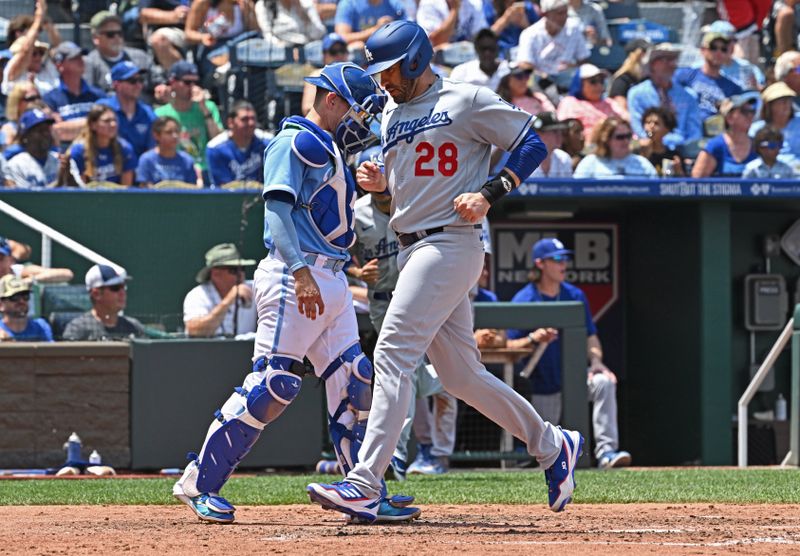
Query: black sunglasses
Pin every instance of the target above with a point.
(135, 80)
(23, 296)
(623, 136)
(116, 288)
(718, 48)
(112, 34)
(596, 80)
(232, 269)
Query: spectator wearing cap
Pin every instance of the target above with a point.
(134, 117)
(768, 142)
(595, 26)
(707, 83)
(73, 97)
(165, 162)
(29, 61)
(659, 90)
(513, 88)
(553, 44)
(777, 112)
(729, 152)
(334, 49)
(237, 155)
(551, 260)
(164, 22)
(108, 292)
(15, 326)
(289, 22)
(488, 68)
(448, 21)
(197, 114)
(356, 20)
(739, 70)
(222, 303)
(612, 157)
(110, 49)
(629, 73)
(586, 101)
(508, 18)
(99, 154)
(23, 96)
(558, 164)
(37, 166)
(657, 122)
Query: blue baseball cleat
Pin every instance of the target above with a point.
(345, 497)
(560, 476)
(612, 458)
(388, 512)
(398, 468)
(209, 508)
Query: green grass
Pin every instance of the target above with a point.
(486, 487)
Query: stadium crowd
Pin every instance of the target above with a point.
(141, 108)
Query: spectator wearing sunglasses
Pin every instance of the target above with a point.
(23, 96)
(777, 112)
(107, 286)
(612, 157)
(289, 22)
(729, 152)
(110, 49)
(134, 117)
(768, 143)
(586, 100)
(15, 326)
(222, 303)
(707, 83)
(551, 261)
(513, 87)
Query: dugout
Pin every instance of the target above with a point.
(672, 325)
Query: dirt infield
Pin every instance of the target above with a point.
(305, 529)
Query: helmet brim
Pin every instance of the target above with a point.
(320, 81)
(378, 67)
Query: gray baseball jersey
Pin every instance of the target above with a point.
(437, 146)
(376, 240)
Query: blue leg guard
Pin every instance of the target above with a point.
(241, 420)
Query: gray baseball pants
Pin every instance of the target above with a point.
(431, 312)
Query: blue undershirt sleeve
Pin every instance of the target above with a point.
(527, 156)
(278, 213)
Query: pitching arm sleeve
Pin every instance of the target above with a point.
(278, 213)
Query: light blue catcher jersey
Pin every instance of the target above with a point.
(304, 161)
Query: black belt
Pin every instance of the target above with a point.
(382, 296)
(410, 239)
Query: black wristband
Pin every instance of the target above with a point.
(495, 188)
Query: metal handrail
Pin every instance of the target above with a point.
(754, 385)
(49, 235)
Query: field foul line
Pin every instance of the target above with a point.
(718, 544)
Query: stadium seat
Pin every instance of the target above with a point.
(609, 58)
(620, 10)
(68, 298)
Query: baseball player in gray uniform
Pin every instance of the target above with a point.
(436, 138)
(377, 248)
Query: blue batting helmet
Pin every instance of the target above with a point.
(399, 41)
(366, 100)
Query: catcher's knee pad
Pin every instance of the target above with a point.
(348, 423)
(231, 439)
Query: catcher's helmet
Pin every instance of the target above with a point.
(364, 96)
(399, 41)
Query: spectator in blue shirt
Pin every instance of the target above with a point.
(15, 295)
(356, 20)
(98, 155)
(707, 83)
(73, 97)
(135, 118)
(551, 260)
(659, 90)
(729, 152)
(238, 154)
(165, 162)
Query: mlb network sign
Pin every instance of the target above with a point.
(594, 267)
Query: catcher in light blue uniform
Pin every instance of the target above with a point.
(437, 137)
(304, 305)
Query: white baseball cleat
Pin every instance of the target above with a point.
(560, 476)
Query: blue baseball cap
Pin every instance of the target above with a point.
(32, 118)
(5, 247)
(101, 275)
(67, 50)
(330, 39)
(124, 70)
(548, 248)
(181, 69)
